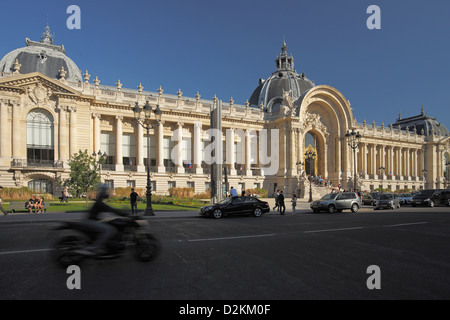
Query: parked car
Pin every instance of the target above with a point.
(387, 201)
(405, 198)
(431, 198)
(336, 202)
(237, 205)
(370, 198)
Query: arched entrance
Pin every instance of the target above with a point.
(311, 154)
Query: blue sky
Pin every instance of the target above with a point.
(224, 47)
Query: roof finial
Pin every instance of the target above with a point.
(47, 37)
(423, 112)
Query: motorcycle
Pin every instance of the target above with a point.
(132, 232)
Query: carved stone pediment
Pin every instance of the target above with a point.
(313, 121)
(38, 85)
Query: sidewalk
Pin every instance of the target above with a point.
(54, 217)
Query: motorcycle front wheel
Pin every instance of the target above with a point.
(147, 247)
(64, 251)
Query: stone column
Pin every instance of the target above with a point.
(5, 135)
(230, 151)
(73, 147)
(160, 147)
(140, 140)
(63, 135)
(119, 144)
(248, 152)
(179, 148)
(198, 148)
(17, 137)
(97, 133)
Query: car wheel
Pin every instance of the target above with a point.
(355, 208)
(331, 209)
(217, 214)
(257, 212)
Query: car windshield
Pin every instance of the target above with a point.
(386, 197)
(330, 196)
(225, 201)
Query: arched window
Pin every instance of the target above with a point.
(40, 138)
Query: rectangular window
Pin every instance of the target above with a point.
(152, 150)
(129, 150)
(171, 184)
(108, 145)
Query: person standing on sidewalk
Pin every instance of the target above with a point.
(134, 197)
(294, 203)
(281, 203)
(1, 202)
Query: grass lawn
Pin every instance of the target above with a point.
(77, 206)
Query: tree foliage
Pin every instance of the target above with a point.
(84, 173)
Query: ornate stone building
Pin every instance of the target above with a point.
(49, 111)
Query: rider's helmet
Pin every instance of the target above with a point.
(104, 191)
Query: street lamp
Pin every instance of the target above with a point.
(147, 126)
(310, 156)
(353, 141)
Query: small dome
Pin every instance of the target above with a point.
(423, 123)
(44, 57)
(284, 79)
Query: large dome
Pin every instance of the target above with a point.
(269, 93)
(44, 57)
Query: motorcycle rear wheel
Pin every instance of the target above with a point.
(147, 248)
(64, 251)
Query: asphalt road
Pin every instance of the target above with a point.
(306, 256)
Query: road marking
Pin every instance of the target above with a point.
(330, 230)
(24, 251)
(233, 238)
(405, 224)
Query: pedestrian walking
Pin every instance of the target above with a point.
(294, 203)
(277, 205)
(64, 195)
(134, 197)
(281, 203)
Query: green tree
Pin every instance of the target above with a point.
(84, 174)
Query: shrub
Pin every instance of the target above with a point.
(181, 192)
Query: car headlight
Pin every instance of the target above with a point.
(427, 200)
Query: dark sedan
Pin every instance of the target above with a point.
(237, 205)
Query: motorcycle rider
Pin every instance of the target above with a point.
(104, 231)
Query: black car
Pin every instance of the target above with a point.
(236, 205)
(431, 198)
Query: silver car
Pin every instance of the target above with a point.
(387, 201)
(336, 202)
